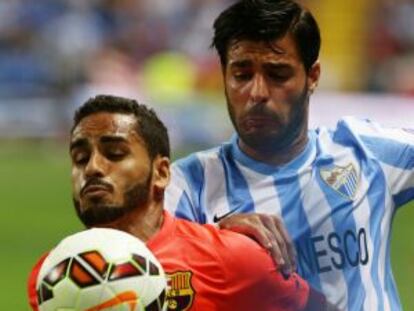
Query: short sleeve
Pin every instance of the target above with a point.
(392, 148)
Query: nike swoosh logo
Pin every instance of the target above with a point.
(218, 218)
(128, 297)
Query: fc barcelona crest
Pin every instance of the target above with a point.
(180, 295)
(343, 180)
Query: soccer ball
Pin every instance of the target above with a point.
(101, 269)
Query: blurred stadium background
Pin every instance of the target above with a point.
(55, 54)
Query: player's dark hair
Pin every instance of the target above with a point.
(149, 127)
(267, 20)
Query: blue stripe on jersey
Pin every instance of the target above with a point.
(343, 222)
(403, 197)
(185, 210)
(391, 152)
(238, 194)
(376, 199)
(193, 172)
(296, 222)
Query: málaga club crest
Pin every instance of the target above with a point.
(343, 180)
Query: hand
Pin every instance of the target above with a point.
(270, 233)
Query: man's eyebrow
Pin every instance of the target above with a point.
(77, 143)
(113, 139)
(279, 66)
(241, 63)
(271, 65)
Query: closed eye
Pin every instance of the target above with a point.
(115, 151)
(80, 158)
(243, 76)
(115, 156)
(278, 77)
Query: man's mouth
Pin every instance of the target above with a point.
(94, 189)
(258, 122)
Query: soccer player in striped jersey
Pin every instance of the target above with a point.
(335, 191)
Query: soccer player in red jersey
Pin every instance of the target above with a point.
(120, 169)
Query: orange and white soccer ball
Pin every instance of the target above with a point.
(99, 270)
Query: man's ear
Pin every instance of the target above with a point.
(161, 175)
(313, 76)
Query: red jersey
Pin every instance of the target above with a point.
(213, 269)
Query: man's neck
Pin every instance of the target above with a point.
(281, 156)
(143, 222)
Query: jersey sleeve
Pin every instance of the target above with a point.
(393, 148)
(253, 281)
(31, 284)
(183, 194)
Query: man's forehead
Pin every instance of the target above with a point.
(283, 48)
(105, 123)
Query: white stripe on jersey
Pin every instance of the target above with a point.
(261, 188)
(316, 207)
(374, 129)
(215, 192)
(361, 211)
(384, 245)
(398, 179)
(175, 190)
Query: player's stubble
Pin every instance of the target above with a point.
(289, 131)
(101, 213)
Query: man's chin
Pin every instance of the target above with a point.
(262, 141)
(101, 215)
(98, 213)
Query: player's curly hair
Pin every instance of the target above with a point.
(267, 20)
(149, 127)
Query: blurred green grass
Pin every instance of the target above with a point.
(36, 211)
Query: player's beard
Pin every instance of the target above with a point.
(101, 214)
(287, 133)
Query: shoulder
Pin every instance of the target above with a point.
(202, 234)
(366, 139)
(365, 134)
(229, 247)
(188, 173)
(251, 278)
(226, 244)
(190, 169)
(197, 159)
(353, 127)
(244, 258)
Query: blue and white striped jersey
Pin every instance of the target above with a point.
(337, 200)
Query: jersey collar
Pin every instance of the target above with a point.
(295, 165)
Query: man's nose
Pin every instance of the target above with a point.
(96, 165)
(259, 92)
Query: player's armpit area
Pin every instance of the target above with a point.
(318, 302)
